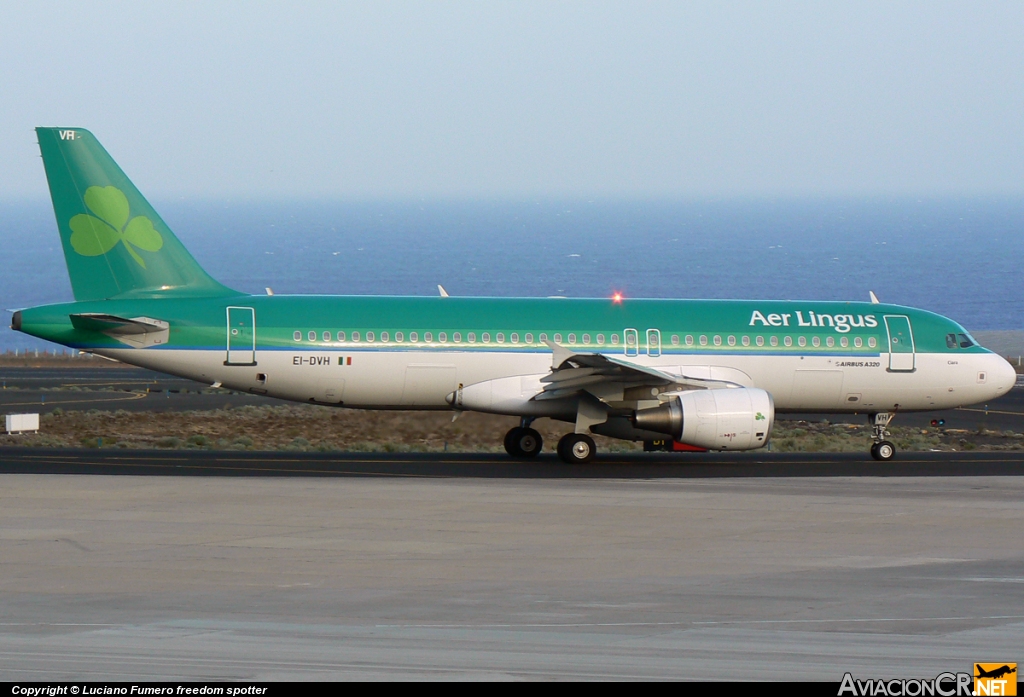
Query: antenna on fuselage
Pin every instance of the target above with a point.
(874, 298)
(442, 291)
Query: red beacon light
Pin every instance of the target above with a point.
(617, 298)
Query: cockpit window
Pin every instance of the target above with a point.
(951, 341)
(965, 341)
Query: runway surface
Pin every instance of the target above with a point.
(205, 463)
(434, 567)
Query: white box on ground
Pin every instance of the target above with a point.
(18, 423)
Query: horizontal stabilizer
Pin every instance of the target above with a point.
(138, 332)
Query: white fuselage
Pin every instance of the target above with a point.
(411, 379)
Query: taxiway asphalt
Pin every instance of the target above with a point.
(433, 567)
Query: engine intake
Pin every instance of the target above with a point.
(723, 419)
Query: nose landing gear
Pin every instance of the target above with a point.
(882, 450)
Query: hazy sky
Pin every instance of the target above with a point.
(522, 99)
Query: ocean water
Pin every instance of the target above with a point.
(959, 257)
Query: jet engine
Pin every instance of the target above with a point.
(720, 419)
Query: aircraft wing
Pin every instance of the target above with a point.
(607, 377)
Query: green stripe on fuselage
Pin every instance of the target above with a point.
(200, 323)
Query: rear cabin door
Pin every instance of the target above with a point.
(241, 336)
(901, 343)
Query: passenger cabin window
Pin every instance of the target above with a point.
(689, 340)
(815, 341)
(759, 341)
(965, 341)
(558, 338)
(369, 336)
(355, 336)
(586, 339)
(600, 339)
(298, 336)
(858, 342)
(457, 338)
(543, 337)
(327, 336)
(774, 341)
(399, 337)
(471, 337)
(615, 339)
(514, 337)
(529, 338)
(312, 336)
(341, 336)
(442, 337)
(871, 341)
(703, 340)
(500, 337)
(746, 341)
(732, 341)
(830, 341)
(384, 336)
(428, 337)
(788, 341)
(486, 337)
(844, 342)
(413, 336)
(675, 339)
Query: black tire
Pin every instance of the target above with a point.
(884, 451)
(512, 439)
(529, 442)
(576, 448)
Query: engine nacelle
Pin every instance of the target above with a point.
(723, 419)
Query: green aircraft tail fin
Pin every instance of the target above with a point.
(115, 244)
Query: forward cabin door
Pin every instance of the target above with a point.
(241, 336)
(901, 343)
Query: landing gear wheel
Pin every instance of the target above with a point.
(884, 451)
(576, 448)
(512, 439)
(529, 442)
(523, 442)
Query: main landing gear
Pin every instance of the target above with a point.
(523, 441)
(883, 450)
(576, 448)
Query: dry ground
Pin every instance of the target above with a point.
(315, 428)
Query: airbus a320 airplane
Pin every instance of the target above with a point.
(699, 374)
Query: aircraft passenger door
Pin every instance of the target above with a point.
(631, 341)
(901, 343)
(653, 343)
(241, 336)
